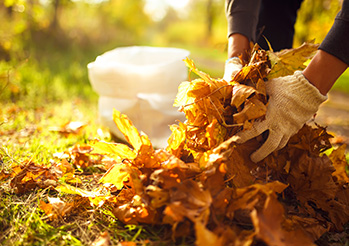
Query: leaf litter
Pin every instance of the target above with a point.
(203, 184)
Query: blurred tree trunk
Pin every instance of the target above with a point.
(54, 22)
(8, 9)
(210, 14)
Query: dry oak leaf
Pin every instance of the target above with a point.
(96, 197)
(116, 175)
(255, 70)
(240, 93)
(268, 224)
(134, 212)
(71, 127)
(80, 154)
(253, 109)
(116, 151)
(56, 208)
(236, 159)
(310, 226)
(287, 61)
(140, 142)
(176, 141)
(247, 198)
(314, 140)
(206, 237)
(311, 179)
(187, 200)
(32, 176)
(338, 208)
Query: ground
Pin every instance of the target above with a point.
(334, 113)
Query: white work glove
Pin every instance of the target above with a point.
(293, 100)
(231, 68)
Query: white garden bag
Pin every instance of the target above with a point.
(142, 83)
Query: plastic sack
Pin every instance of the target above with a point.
(141, 82)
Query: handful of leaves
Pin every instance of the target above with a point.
(205, 185)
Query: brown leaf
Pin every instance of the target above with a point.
(114, 150)
(338, 208)
(56, 208)
(240, 94)
(311, 179)
(206, 237)
(80, 154)
(71, 127)
(253, 109)
(269, 228)
(130, 132)
(310, 226)
(246, 199)
(287, 61)
(116, 175)
(135, 212)
(176, 141)
(187, 200)
(205, 184)
(237, 160)
(32, 176)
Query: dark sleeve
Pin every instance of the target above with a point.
(336, 41)
(242, 17)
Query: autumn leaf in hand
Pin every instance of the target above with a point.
(286, 62)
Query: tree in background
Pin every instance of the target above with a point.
(315, 19)
(27, 23)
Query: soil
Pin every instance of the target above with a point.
(334, 113)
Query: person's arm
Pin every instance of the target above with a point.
(294, 99)
(324, 70)
(332, 58)
(242, 19)
(238, 45)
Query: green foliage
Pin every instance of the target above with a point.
(315, 19)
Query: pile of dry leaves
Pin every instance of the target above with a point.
(204, 184)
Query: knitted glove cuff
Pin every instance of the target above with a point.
(296, 92)
(234, 60)
(232, 66)
(309, 93)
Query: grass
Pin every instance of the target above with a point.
(44, 91)
(37, 93)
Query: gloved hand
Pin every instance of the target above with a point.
(232, 66)
(293, 100)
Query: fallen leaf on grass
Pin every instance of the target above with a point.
(32, 176)
(56, 208)
(71, 127)
(96, 197)
(116, 175)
